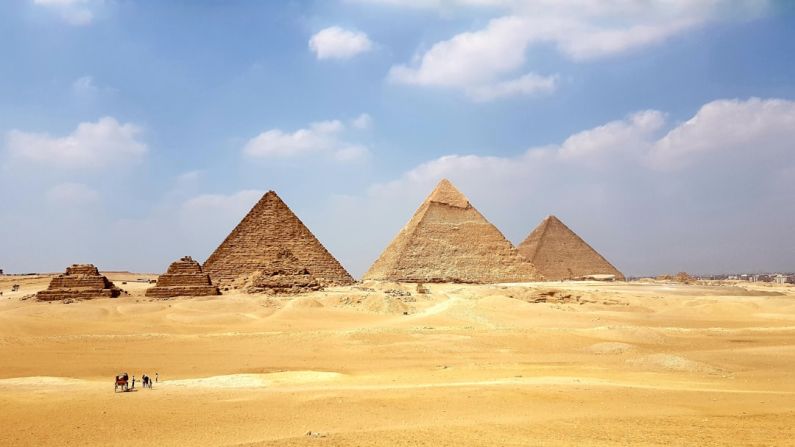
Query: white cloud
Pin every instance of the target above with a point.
(484, 63)
(528, 84)
(434, 4)
(686, 192)
(60, 2)
(319, 137)
(73, 12)
(632, 134)
(72, 194)
(338, 43)
(91, 145)
(237, 204)
(755, 128)
(363, 121)
(351, 153)
(86, 87)
(469, 59)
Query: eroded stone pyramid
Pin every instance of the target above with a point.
(448, 240)
(183, 278)
(80, 282)
(558, 253)
(267, 231)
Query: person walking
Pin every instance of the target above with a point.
(157, 376)
(133, 383)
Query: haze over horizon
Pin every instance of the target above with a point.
(133, 133)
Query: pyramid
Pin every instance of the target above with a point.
(267, 231)
(448, 240)
(183, 278)
(558, 253)
(82, 282)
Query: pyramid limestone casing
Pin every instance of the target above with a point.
(266, 231)
(183, 278)
(448, 240)
(558, 253)
(81, 281)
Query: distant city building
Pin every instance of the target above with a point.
(780, 279)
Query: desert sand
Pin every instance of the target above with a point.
(569, 363)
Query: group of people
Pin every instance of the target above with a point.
(147, 381)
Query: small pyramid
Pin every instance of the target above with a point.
(448, 240)
(81, 282)
(255, 245)
(183, 278)
(558, 253)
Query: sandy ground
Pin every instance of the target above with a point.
(596, 364)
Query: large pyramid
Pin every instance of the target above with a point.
(448, 240)
(262, 239)
(558, 253)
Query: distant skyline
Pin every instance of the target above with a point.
(136, 132)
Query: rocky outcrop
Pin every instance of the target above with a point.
(80, 282)
(183, 278)
(558, 253)
(255, 245)
(448, 240)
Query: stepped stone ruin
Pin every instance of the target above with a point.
(558, 253)
(448, 240)
(80, 282)
(272, 244)
(183, 278)
(285, 275)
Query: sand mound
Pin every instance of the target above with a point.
(304, 303)
(256, 380)
(375, 303)
(672, 362)
(611, 348)
(42, 382)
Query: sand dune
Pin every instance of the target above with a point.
(380, 364)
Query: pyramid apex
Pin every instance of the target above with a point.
(446, 193)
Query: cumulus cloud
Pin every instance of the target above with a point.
(729, 128)
(73, 12)
(693, 186)
(484, 63)
(319, 137)
(632, 135)
(338, 43)
(91, 145)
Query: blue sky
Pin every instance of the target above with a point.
(136, 132)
